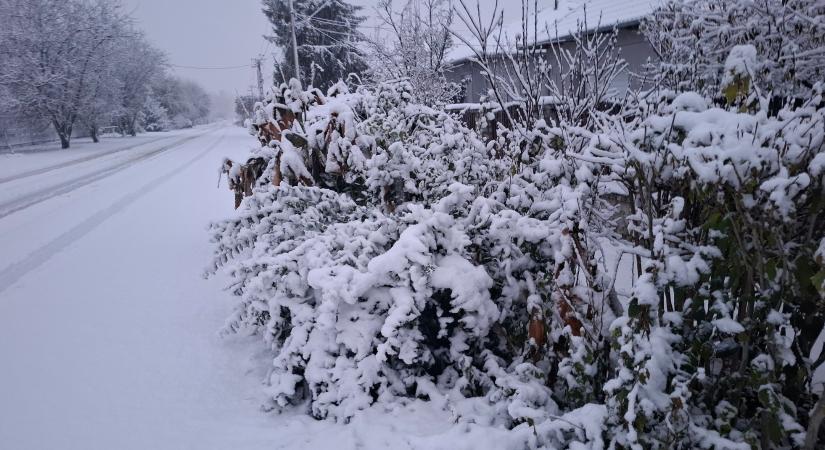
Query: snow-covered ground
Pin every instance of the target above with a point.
(108, 333)
(20, 160)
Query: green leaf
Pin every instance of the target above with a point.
(633, 309)
(714, 220)
(766, 398)
(773, 429)
(818, 281)
(731, 91)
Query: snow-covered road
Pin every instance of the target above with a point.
(108, 333)
(23, 189)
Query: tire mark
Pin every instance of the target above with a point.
(73, 162)
(33, 198)
(16, 271)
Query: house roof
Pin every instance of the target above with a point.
(559, 24)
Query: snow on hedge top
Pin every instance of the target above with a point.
(561, 23)
(741, 62)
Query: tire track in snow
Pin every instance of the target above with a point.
(44, 194)
(18, 270)
(31, 173)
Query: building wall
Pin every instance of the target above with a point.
(634, 48)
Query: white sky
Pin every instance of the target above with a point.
(221, 33)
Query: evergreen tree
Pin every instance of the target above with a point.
(327, 36)
(57, 58)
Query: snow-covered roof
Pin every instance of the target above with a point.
(564, 21)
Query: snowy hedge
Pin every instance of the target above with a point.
(651, 278)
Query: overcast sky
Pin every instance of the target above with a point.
(216, 33)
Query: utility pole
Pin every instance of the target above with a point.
(256, 62)
(294, 42)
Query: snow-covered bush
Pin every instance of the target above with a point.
(420, 151)
(443, 280)
(645, 277)
(725, 223)
(154, 116)
(359, 306)
(694, 38)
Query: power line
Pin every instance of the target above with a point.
(369, 26)
(324, 5)
(308, 19)
(179, 66)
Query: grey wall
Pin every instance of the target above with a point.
(633, 48)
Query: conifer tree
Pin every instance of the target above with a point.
(327, 36)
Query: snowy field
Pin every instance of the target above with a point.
(108, 333)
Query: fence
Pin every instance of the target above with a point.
(485, 117)
(16, 132)
(14, 138)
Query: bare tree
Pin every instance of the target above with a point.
(573, 78)
(54, 55)
(418, 48)
(138, 65)
(102, 103)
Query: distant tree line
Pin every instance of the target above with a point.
(82, 64)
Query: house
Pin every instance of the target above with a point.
(557, 21)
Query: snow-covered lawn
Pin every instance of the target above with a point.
(108, 333)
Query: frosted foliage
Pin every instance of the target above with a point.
(77, 65)
(421, 286)
(577, 281)
(762, 165)
(741, 62)
(700, 41)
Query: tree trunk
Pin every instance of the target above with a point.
(64, 132)
(64, 140)
(65, 137)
